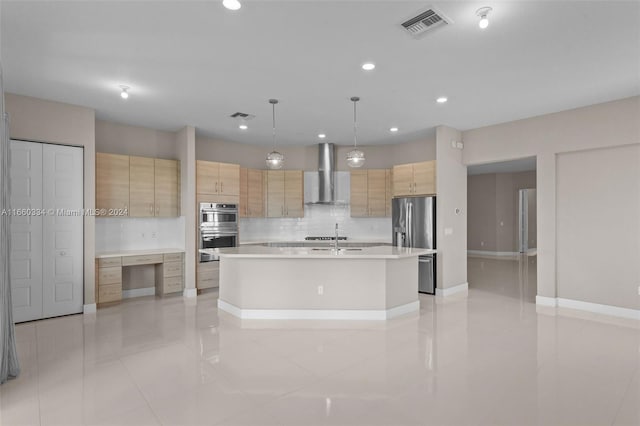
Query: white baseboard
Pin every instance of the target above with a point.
(190, 292)
(319, 314)
(89, 309)
(138, 292)
(546, 301)
(597, 308)
(444, 292)
(483, 253)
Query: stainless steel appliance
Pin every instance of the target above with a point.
(218, 228)
(414, 225)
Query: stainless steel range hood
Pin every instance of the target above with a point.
(326, 175)
(326, 186)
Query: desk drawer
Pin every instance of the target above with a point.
(172, 269)
(172, 284)
(173, 257)
(110, 275)
(107, 262)
(109, 293)
(147, 259)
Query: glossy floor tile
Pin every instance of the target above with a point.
(492, 358)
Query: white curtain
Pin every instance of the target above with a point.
(9, 366)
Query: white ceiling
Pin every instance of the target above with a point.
(513, 166)
(194, 62)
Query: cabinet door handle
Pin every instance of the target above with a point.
(221, 187)
(150, 208)
(157, 211)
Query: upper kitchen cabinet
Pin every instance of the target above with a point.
(145, 187)
(369, 193)
(251, 193)
(166, 188)
(285, 193)
(141, 187)
(219, 179)
(112, 182)
(414, 179)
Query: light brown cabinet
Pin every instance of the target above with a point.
(369, 196)
(285, 193)
(112, 182)
(251, 193)
(144, 187)
(169, 274)
(214, 178)
(141, 187)
(414, 179)
(166, 188)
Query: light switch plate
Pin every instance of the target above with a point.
(448, 231)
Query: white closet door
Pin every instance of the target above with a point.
(26, 231)
(62, 241)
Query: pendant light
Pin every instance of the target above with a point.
(355, 157)
(275, 160)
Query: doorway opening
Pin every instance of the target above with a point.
(502, 228)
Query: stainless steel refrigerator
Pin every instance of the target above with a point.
(414, 225)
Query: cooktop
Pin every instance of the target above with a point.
(324, 238)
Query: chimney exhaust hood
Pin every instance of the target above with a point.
(326, 186)
(326, 175)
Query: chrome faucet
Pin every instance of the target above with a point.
(335, 242)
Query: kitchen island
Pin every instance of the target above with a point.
(368, 283)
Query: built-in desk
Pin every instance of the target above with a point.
(169, 274)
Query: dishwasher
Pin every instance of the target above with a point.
(427, 274)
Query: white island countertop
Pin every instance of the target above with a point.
(378, 252)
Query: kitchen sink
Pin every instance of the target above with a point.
(332, 249)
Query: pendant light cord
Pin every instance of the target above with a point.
(355, 126)
(273, 108)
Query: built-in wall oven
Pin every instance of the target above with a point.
(218, 228)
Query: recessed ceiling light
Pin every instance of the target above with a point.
(482, 13)
(231, 4)
(243, 127)
(322, 136)
(393, 129)
(368, 66)
(124, 94)
(442, 99)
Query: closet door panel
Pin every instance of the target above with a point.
(62, 242)
(26, 230)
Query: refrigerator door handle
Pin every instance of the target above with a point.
(410, 225)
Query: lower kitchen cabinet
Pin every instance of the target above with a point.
(169, 274)
(207, 275)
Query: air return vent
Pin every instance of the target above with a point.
(242, 115)
(425, 22)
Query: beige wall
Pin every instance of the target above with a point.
(599, 126)
(492, 204)
(39, 120)
(115, 138)
(598, 193)
(306, 158)
(451, 227)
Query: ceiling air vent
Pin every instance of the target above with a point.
(426, 21)
(242, 115)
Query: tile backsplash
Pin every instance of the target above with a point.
(116, 233)
(318, 220)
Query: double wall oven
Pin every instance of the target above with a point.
(218, 228)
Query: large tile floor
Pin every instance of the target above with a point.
(490, 358)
